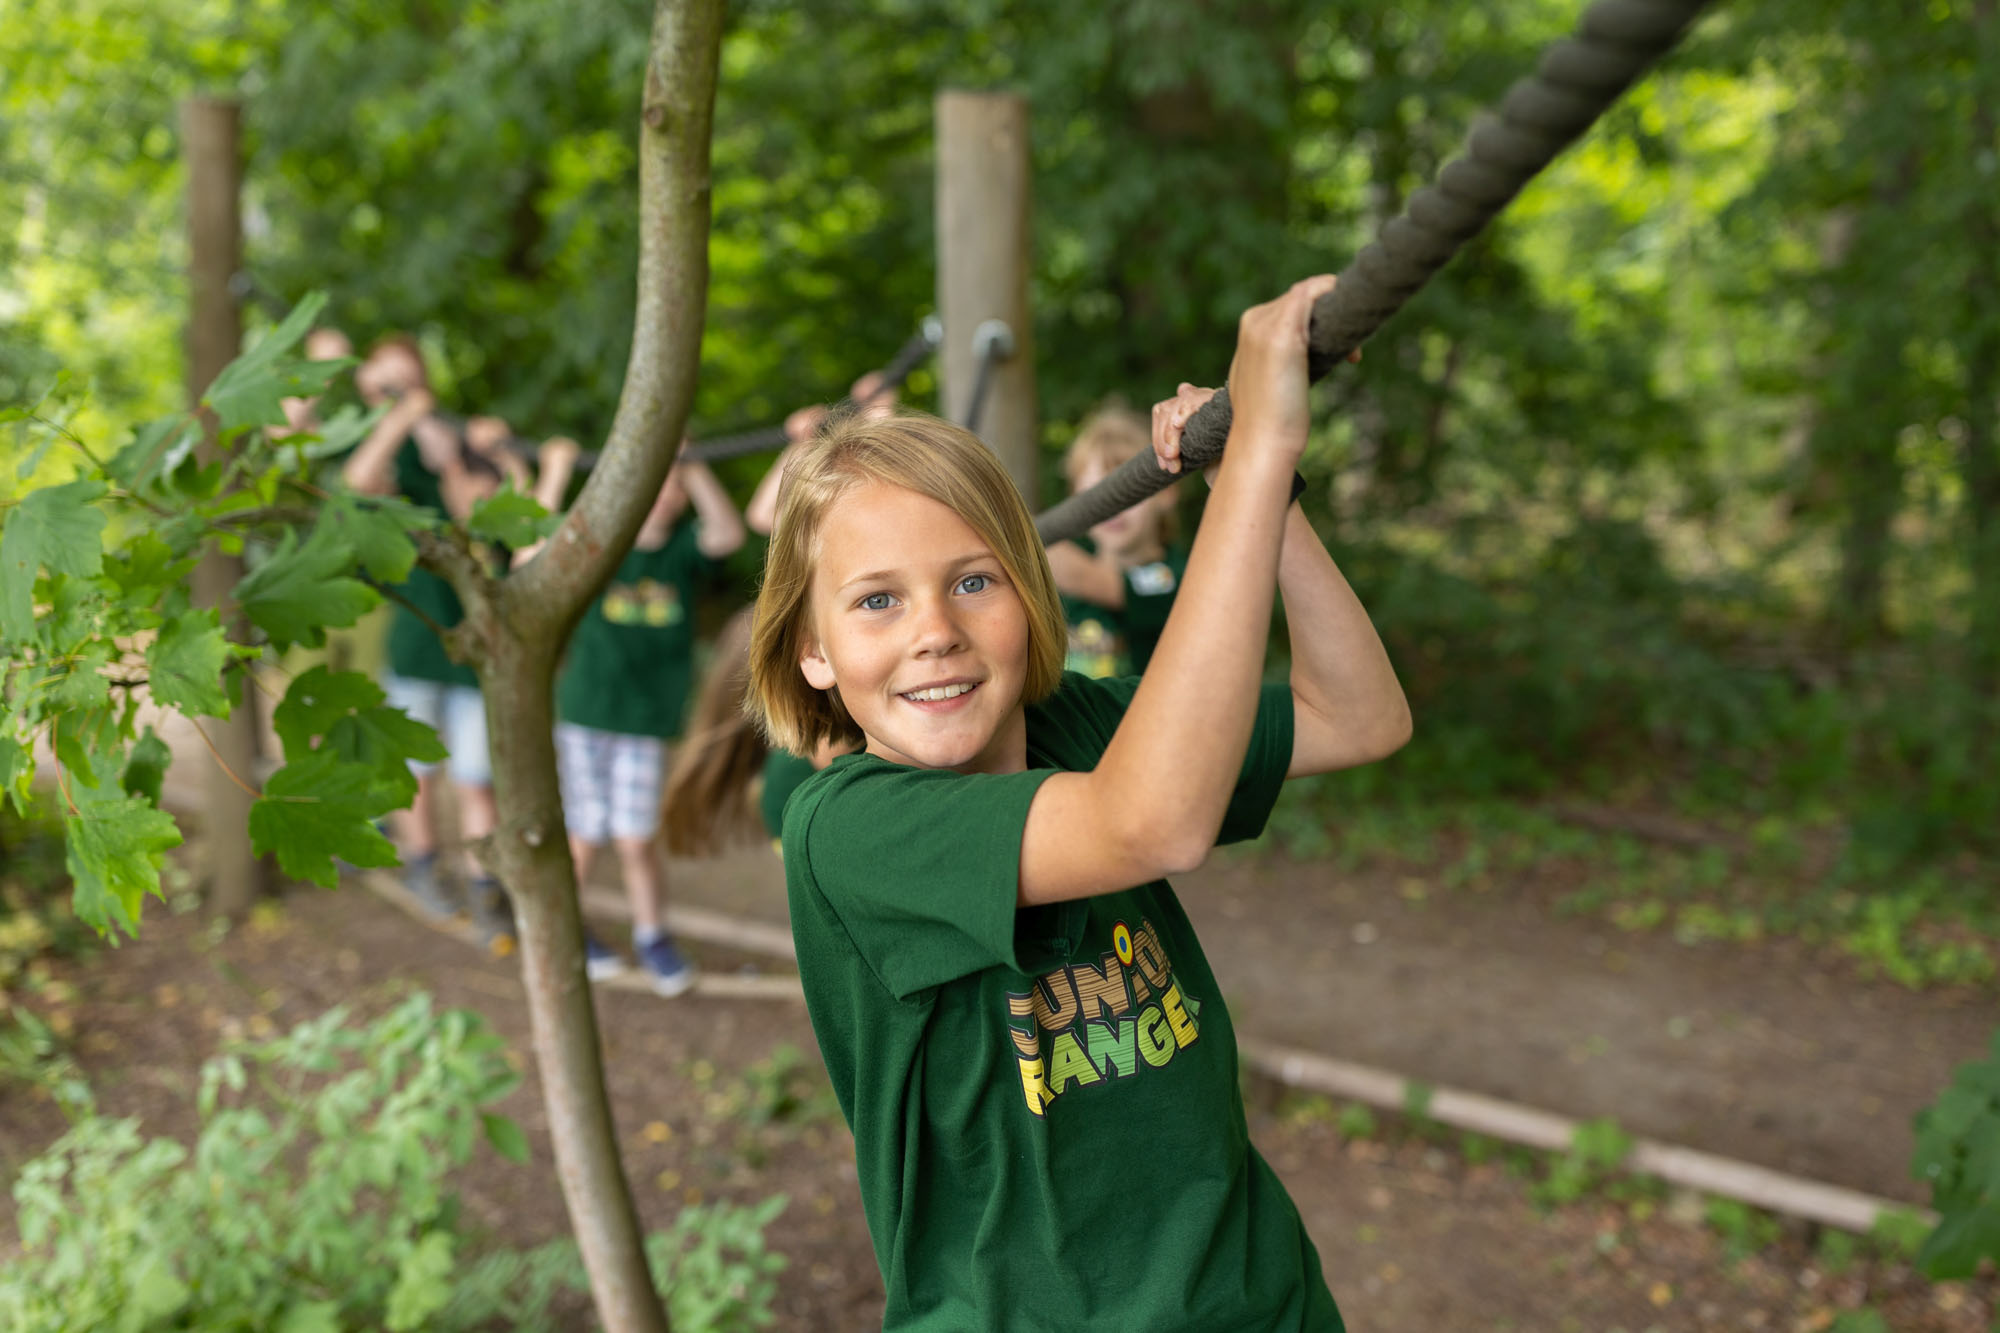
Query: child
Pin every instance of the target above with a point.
(622, 691)
(1022, 1031)
(1118, 583)
(414, 454)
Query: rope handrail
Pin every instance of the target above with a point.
(1575, 82)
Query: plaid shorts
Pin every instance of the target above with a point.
(610, 782)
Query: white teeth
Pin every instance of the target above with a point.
(937, 692)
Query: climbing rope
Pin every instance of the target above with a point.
(911, 355)
(1575, 81)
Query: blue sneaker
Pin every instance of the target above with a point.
(671, 973)
(600, 963)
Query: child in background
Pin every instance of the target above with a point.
(1023, 1033)
(1118, 583)
(415, 454)
(623, 688)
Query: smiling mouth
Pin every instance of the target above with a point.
(939, 693)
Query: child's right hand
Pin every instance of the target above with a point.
(1268, 384)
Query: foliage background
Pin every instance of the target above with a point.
(1676, 487)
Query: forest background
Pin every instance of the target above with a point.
(1679, 491)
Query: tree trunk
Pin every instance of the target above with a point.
(210, 147)
(513, 632)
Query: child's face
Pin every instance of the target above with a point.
(909, 604)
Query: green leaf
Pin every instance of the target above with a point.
(156, 1292)
(184, 664)
(17, 768)
(145, 564)
(379, 536)
(80, 684)
(115, 844)
(146, 767)
(58, 527)
(251, 390)
(506, 1137)
(320, 807)
(156, 449)
(302, 590)
(345, 711)
(1961, 1240)
(511, 518)
(311, 1317)
(423, 1283)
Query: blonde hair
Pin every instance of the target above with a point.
(708, 805)
(918, 453)
(1108, 438)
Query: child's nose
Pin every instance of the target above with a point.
(937, 629)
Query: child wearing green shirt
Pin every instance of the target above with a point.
(1118, 583)
(621, 696)
(1022, 1030)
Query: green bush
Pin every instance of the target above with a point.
(316, 1199)
(1958, 1156)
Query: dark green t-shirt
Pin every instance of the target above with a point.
(631, 659)
(1047, 1120)
(783, 774)
(1104, 643)
(414, 650)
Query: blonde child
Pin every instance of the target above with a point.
(1117, 584)
(1022, 1030)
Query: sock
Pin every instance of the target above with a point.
(646, 935)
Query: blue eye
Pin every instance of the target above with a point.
(972, 583)
(876, 601)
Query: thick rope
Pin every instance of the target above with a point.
(1576, 80)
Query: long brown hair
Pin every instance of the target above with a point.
(709, 805)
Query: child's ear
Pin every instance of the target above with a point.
(816, 669)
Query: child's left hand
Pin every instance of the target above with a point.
(1170, 418)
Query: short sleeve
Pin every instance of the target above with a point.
(921, 867)
(1265, 763)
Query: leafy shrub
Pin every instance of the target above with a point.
(1958, 1155)
(316, 1198)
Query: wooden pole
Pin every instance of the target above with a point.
(983, 202)
(210, 143)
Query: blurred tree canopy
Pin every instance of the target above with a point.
(1716, 396)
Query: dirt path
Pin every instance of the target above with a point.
(1416, 1239)
(1762, 1052)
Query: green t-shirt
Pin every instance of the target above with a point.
(1104, 643)
(1047, 1120)
(414, 650)
(631, 659)
(783, 774)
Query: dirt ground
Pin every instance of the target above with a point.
(1416, 1235)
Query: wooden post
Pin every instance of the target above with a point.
(983, 203)
(210, 141)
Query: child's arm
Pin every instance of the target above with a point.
(1097, 579)
(718, 527)
(371, 468)
(1154, 804)
(555, 464)
(762, 511)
